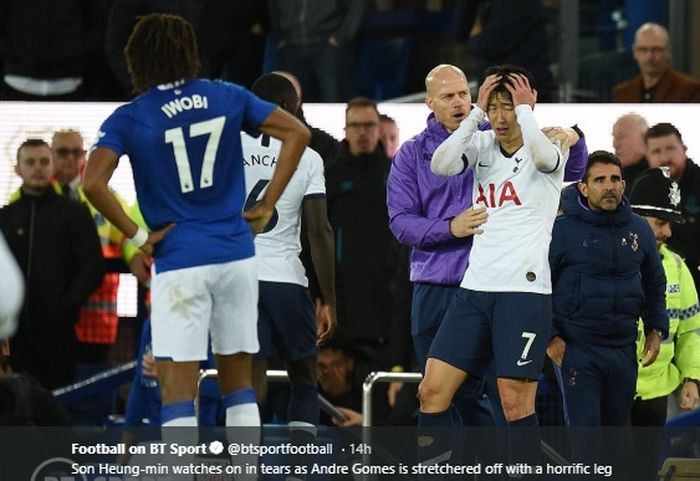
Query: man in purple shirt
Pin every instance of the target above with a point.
(434, 216)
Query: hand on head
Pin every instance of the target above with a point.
(520, 90)
(485, 91)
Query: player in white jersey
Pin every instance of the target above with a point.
(503, 313)
(287, 326)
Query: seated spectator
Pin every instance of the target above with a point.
(656, 82)
(342, 368)
(628, 142)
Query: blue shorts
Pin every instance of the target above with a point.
(286, 322)
(509, 328)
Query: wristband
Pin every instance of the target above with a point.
(140, 238)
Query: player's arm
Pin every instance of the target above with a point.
(320, 236)
(99, 170)
(544, 154)
(294, 137)
(449, 158)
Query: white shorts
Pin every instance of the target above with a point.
(188, 304)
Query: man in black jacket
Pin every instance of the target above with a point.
(56, 245)
(606, 274)
(366, 252)
(665, 148)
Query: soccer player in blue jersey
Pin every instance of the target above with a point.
(182, 136)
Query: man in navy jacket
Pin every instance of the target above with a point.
(606, 274)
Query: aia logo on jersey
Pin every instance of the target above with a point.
(492, 196)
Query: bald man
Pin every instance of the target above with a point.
(434, 216)
(656, 82)
(628, 141)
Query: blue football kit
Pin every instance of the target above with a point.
(183, 142)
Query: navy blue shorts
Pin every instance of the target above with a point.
(509, 328)
(286, 322)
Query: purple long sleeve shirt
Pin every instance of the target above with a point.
(421, 205)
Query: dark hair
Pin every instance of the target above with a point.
(386, 118)
(32, 143)
(161, 49)
(662, 130)
(361, 102)
(277, 89)
(503, 71)
(600, 157)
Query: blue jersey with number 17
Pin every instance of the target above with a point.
(183, 141)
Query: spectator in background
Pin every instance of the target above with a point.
(657, 81)
(628, 142)
(606, 274)
(389, 134)
(482, 24)
(365, 249)
(123, 15)
(665, 148)
(231, 38)
(96, 329)
(342, 367)
(657, 198)
(56, 245)
(315, 41)
(46, 45)
(12, 291)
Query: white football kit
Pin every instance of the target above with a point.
(521, 201)
(277, 248)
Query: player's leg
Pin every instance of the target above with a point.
(292, 321)
(266, 348)
(521, 327)
(293, 332)
(234, 338)
(451, 356)
(180, 312)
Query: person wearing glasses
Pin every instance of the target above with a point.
(366, 252)
(656, 82)
(96, 329)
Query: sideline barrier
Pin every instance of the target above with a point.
(100, 382)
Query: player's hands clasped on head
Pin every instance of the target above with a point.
(469, 222)
(520, 90)
(258, 216)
